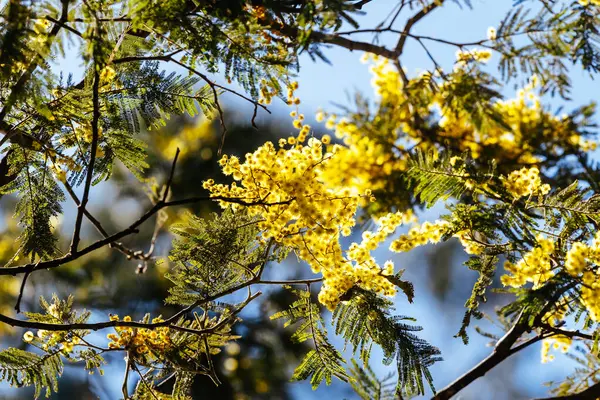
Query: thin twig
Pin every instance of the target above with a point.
(90, 169)
(170, 180)
(124, 389)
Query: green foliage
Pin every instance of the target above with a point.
(368, 386)
(149, 96)
(213, 256)
(365, 319)
(323, 362)
(557, 33)
(129, 150)
(433, 176)
(17, 15)
(486, 266)
(53, 127)
(22, 368)
(571, 206)
(39, 202)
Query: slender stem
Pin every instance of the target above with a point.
(124, 389)
(292, 282)
(90, 169)
(411, 22)
(170, 180)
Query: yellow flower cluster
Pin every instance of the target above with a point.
(373, 150)
(492, 34)
(478, 55)
(291, 98)
(590, 294)
(420, 235)
(107, 74)
(65, 340)
(41, 25)
(535, 266)
(140, 341)
(469, 243)
(588, 2)
(576, 263)
(266, 92)
(556, 342)
(526, 118)
(60, 173)
(576, 258)
(525, 182)
(432, 233)
(360, 268)
(367, 161)
(298, 209)
(49, 339)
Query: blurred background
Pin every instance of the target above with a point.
(260, 364)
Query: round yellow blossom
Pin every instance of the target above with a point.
(107, 74)
(28, 336)
(575, 260)
(419, 235)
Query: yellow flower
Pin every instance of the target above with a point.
(107, 74)
(28, 336)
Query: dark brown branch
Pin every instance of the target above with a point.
(21, 291)
(502, 351)
(63, 24)
(119, 246)
(170, 180)
(130, 230)
(292, 282)
(569, 334)
(169, 322)
(411, 22)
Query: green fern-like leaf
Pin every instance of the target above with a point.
(368, 386)
(365, 319)
(22, 368)
(433, 178)
(211, 256)
(323, 362)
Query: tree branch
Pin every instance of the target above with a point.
(501, 352)
(131, 229)
(412, 21)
